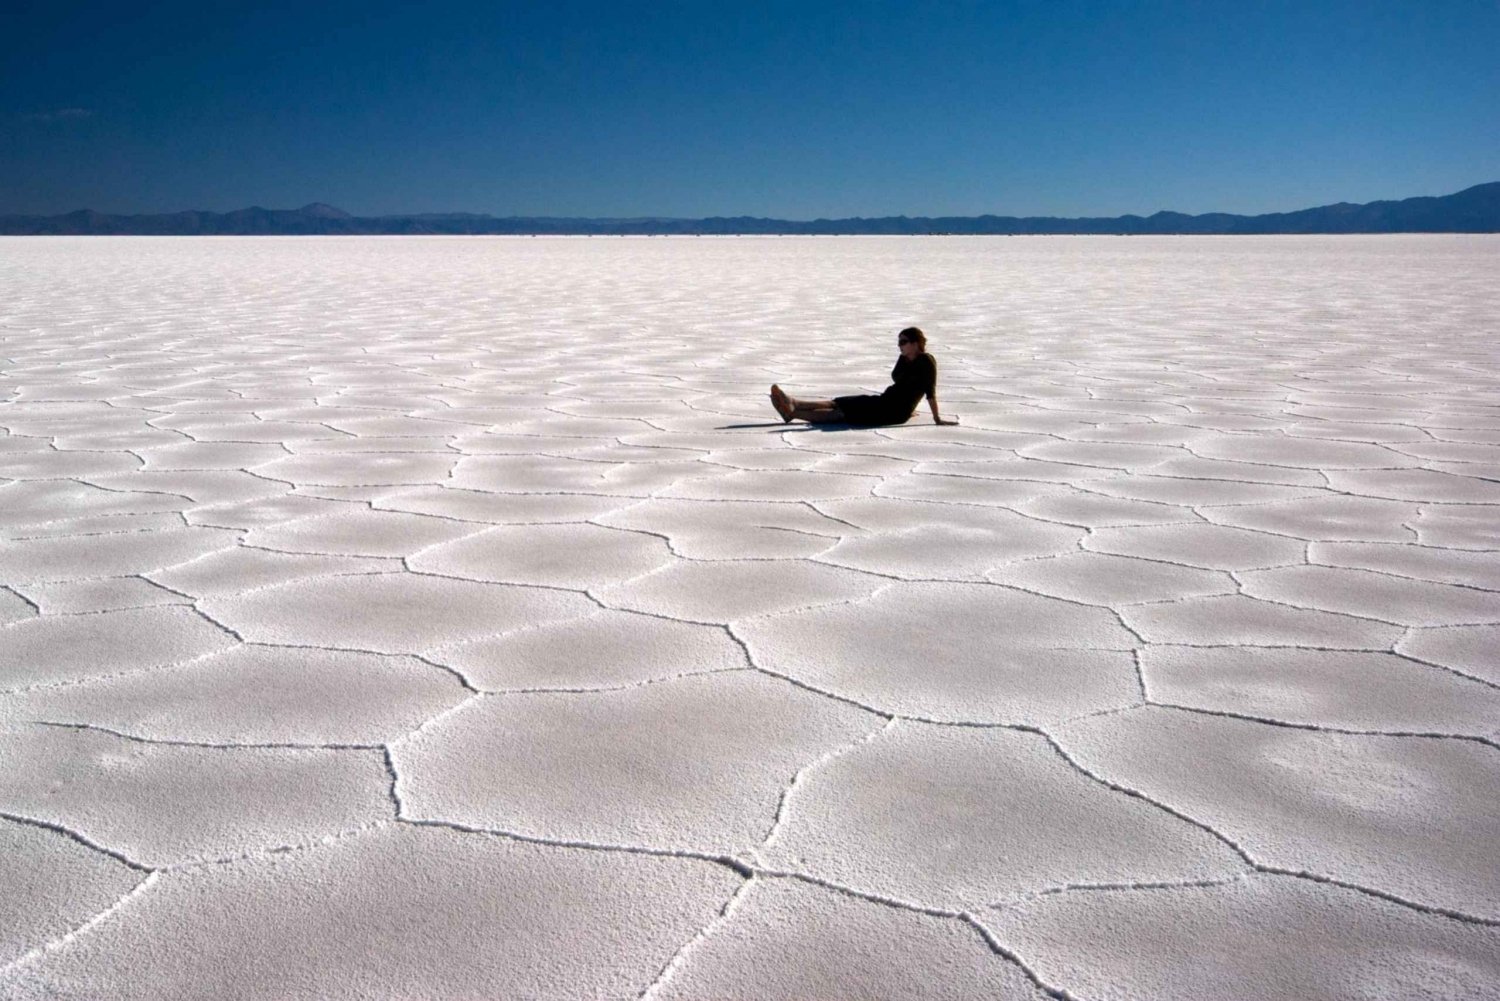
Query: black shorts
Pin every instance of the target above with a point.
(869, 411)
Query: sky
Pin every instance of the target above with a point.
(792, 110)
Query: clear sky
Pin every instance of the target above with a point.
(794, 110)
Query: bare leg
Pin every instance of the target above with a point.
(817, 411)
(812, 411)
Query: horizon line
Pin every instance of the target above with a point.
(336, 212)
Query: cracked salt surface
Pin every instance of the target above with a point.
(453, 618)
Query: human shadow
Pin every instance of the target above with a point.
(778, 426)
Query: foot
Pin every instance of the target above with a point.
(782, 403)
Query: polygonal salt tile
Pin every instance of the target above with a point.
(359, 470)
(38, 502)
(1431, 563)
(359, 532)
(388, 446)
(721, 592)
(97, 524)
(209, 455)
(1401, 437)
(505, 444)
(888, 515)
(1035, 423)
(1458, 526)
(1212, 547)
(1197, 492)
(860, 465)
(1374, 596)
(535, 474)
(107, 594)
(209, 486)
(1234, 620)
(1416, 485)
(642, 479)
(446, 916)
(763, 458)
(1077, 507)
(774, 485)
(694, 440)
(55, 648)
(165, 804)
(389, 426)
(1323, 518)
(57, 465)
(1360, 691)
(1472, 650)
(603, 650)
(957, 489)
(1378, 812)
(271, 432)
(232, 571)
(694, 764)
(350, 496)
(259, 513)
(1114, 455)
(959, 817)
(389, 613)
(1261, 937)
(579, 427)
(638, 454)
(570, 556)
(953, 553)
(724, 530)
(1198, 468)
(788, 941)
(16, 443)
(325, 411)
(497, 509)
(1140, 434)
(1021, 468)
(1100, 579)
(1306, 453)
(1449, 451)
(467, 418)
(53, 884)
(261, 695)
(955, 652)
(1482, 470)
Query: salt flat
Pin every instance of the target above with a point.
(451, 618)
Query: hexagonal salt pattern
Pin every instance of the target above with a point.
(920, 812)
(467, 625)
(787, 941)
(1247, 939)
(429, 914)
(1368, 810)
(53, 884)
(694, 764)
(222, 802)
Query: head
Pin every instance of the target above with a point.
(912, 342)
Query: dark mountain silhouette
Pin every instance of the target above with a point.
(1473, 210)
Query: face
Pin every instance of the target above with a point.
(908, 346)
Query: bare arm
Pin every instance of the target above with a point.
(933, 403)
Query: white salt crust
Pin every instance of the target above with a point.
(454, 618)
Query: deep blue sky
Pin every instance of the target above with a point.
(793, 110)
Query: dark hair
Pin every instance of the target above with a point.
(914, 334)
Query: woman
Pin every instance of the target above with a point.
(914, 377)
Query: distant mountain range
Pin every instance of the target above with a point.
(1473, 210)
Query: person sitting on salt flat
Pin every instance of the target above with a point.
(914, 377)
